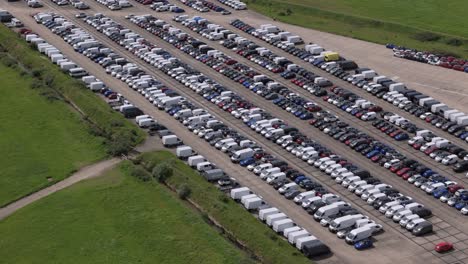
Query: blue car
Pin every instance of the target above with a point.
(440, 193)
(372, 153)
(299, 179)
(464, 135)
(363, 244)
(277, 100)
(247, 162)
(306, 116)
(460, 205)
(355, 111)
(427, 173)
(401, 137)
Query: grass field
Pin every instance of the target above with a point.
(114, 218)
(423, 24)
(43, 138)
(40, 138)
(260, 239)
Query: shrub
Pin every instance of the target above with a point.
(184, 192)
(36, 73)
(162, 172)
(427, 36)
(140, 173)
(454, 42)
(8, 61)
(119, 144)
(223, 198)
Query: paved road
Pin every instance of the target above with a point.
(392, 245)
(83, 174)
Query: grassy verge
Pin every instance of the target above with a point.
(43, 137)
(256, 236)
(43, 140)
(386, 26)
(114, 218)
(106, 122)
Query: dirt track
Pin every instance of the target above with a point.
(83, 174)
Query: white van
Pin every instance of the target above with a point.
(303, 196)
(358, 234)
(276, 177)
(288, 187)
(344, 222)
(265, 174)
(204, 166)
(260, 168)
(330, 209)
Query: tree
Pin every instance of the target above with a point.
(119, 144)
(162, 172)
(184, 192)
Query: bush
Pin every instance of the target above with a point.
(162, 172)
(223, 198)
(184, 192)
(119, 144)
(36, 73)
(137, 160)
(8, 61)
(454, 42)
(140, 173)
(427, 36)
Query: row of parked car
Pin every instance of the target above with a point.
(267, 129)
(205, 6)
(448, 62)
(359, 141)
(115, 4)
(163, 6)
(410, 100)
(236, 4)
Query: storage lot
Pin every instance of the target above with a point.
(393, 244)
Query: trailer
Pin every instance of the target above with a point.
(453, 117)
(294, 236)
(280, 225)
(183, 152)
(254, 203)
(462, 120)
(194, 160)
(290, 230)
(397, 87)
(301, 242)
(422, 101)
(448, 113)
(263, 213)
(270, 219)
(237, 193)
(438, 108)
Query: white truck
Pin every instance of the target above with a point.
(184, 152)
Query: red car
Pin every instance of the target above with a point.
(443, 247)
(376, 157)
(395, 133)
(430, 150)
(402, 171)
(455, 187)
(417, 146)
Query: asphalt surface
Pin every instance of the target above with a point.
(393, 245)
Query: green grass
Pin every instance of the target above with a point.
(114, 219)
(40, 138)
(260, 239)
(381, 21)
(43, 138)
